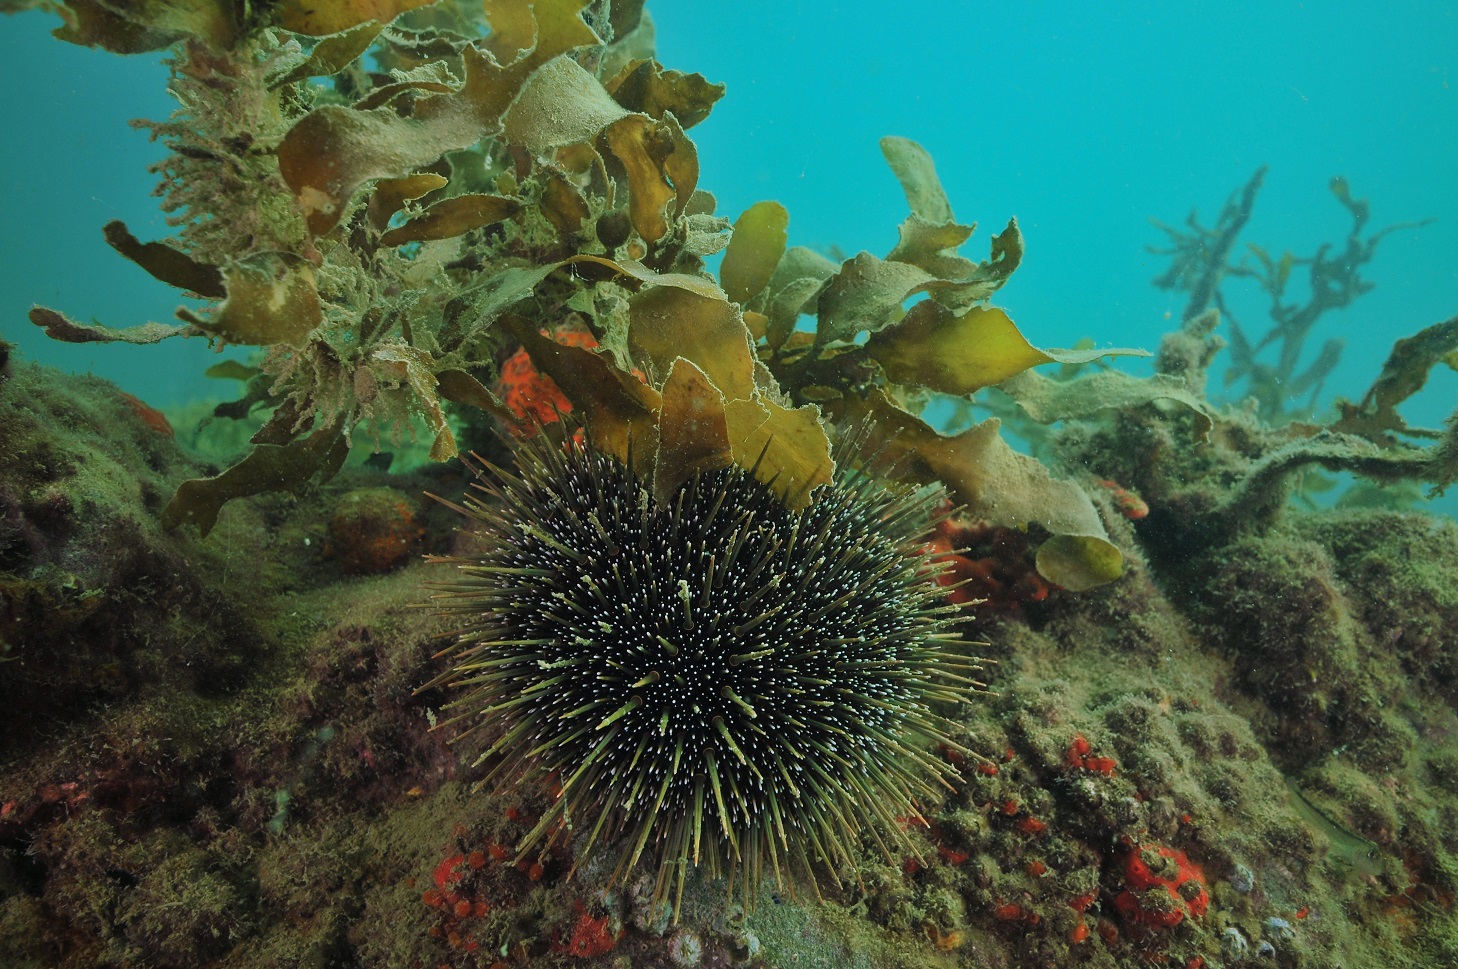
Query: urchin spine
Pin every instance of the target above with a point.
(716, 675)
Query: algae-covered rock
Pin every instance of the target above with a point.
(1255, 733)
(1217, 732)
(373, 530)
(153, 742)
(96, 600)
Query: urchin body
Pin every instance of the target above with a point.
(713, 677)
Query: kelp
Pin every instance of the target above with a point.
(332, 151)
(453, 217)
(352, 330)
(317, 19)
(755, 250)
(691, 340)
(620, 411)
(993, 482)
(1256, 501)
(1404, 374)
(509, 169)
(645, 87)
(1046, 400)
(272, 299)
(1369, 437)
(165, 263)
(961, 354)
(59, 327)
(867, 359)
(149, 25)
(285, 467)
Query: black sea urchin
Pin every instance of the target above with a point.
(710, 677)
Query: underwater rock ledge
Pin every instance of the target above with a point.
(219, 757)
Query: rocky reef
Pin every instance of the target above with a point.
(215, 752)
(1216, 729)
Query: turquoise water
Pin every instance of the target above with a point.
(1317, 646)
(1082, 122)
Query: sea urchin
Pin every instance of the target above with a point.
(711, 678)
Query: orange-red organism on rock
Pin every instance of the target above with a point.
(990, 565)
(149, 415)
(373, 530)
(1162, 887)
(590, 936)
(1080, 755)
(531, 394)
(1130, 505)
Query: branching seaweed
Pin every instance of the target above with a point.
(1201, 262)
(1368, 438)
